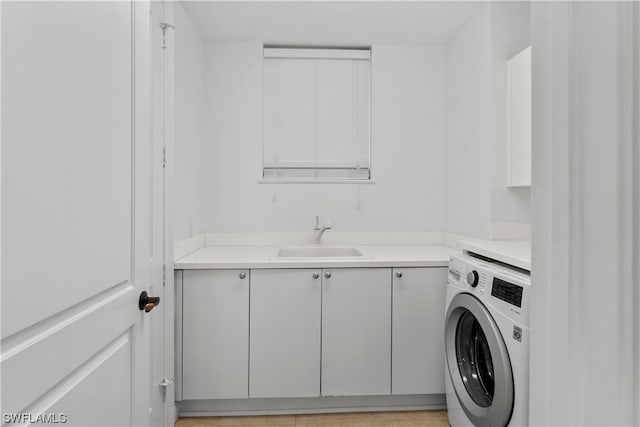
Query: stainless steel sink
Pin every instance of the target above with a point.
(315, 252)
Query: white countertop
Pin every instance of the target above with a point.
(221, 257)
(512, 252)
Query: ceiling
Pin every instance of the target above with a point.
(330, 23)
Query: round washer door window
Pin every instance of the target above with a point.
(478, 362)
(474, 360)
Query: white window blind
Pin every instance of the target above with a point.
(316, 114)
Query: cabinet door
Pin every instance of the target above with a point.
(418, 330)
(356, 331)
(215, 355)
(285, 333)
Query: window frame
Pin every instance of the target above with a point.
(355, 53)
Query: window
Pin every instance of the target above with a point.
(316, 114)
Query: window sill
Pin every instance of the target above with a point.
(316, 181)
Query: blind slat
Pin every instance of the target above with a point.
(317, 173)
(317, 53)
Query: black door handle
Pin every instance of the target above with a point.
(146, 302)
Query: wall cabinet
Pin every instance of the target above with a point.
(356, 331)
(215, 355)
(418, 330)
(285, 333)
(288, 333)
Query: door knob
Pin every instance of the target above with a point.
(315, 275)
(327, 275)
(399, 274)
(146, 302)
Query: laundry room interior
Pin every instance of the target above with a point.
(428, 103)
(321, 213)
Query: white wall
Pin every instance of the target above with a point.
(189, 128)
(407, 149)
(510, 33)
(477, 196)
(418, 93)
(468, 124)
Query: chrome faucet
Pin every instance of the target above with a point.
(320, 230)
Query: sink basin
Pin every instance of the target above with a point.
(313, 252)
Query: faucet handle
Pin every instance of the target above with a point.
(317, 221)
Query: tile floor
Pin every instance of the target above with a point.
(360, 419)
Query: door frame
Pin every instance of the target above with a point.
(171, 413)
(165, 168)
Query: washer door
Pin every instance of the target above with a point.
(478, 362)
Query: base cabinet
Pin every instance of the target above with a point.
(285, 333)
(356, 332)
(305, 333)
(215, 357)
(418, 364)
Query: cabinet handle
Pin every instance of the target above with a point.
(316, 275)
(327, 275)
(242, 275)
(399, 274)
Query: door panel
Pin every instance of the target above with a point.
(74, 184)
(66, 160)
(109, 371)
(356, 332)
(215, 338)
(285, 333)
(418, 330)
(63, 345)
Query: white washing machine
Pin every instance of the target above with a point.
(487, 343)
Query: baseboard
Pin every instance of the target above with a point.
(310, 405)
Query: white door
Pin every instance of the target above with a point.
(161, 366)
(75, 212)
(284, 344)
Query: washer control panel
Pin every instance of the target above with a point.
(507, 292)
(506, 289)
(455, 270)
(473, 278)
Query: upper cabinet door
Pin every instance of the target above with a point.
(519, 120)
(356, 332)
(285, 333)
